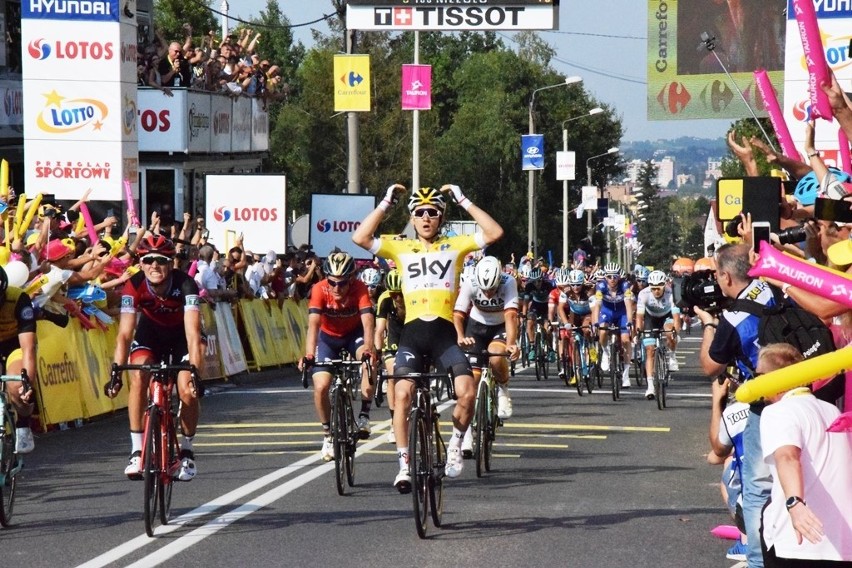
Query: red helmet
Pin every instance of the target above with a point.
(156, 244)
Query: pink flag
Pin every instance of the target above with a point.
(770, 103)
(818, 71)
(416, 87)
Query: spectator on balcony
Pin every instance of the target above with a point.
(174, 69)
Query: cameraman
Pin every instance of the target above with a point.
(732, 339)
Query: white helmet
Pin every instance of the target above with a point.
(488, 273)
(657, 278)
(612, 269)
(576, 277)
(563, 277)
(524, 271)
(370, 277)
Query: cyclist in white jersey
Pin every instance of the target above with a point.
(655, 309)
(489, 303)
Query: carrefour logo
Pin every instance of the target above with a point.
(62, 115)
(224, 214)
(326, 226)
(39, 49)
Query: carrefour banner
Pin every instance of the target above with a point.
(252, 205)
(351, 83)
(686, 81)
(334, 217)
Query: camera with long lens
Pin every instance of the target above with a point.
(792, 235)
(699, 289)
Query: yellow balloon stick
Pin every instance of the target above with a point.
(22, 228)
(7, 234)
(36, 285)
(798, 375)
(80, 226)
(4, 179)
(19, 212)
(118, 245)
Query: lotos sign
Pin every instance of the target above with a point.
(259, 215)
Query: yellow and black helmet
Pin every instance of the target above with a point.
(426, 196)
(393, 280)
(338, 264)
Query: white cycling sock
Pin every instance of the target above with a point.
(456, 439)
(186, 444)
(136, 442)
(402, 454)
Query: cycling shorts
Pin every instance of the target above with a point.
(483, 335)
(329, 347)
(537, 310)
(655, 322)
(435, 339)
(162, 343)
(617, 317)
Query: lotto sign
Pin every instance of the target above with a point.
(253, 205)
(334, 217)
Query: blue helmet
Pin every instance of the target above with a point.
(808, 187)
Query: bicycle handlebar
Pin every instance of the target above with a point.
(420, 378)
(23, 378)
(158, 369)
(308, 362)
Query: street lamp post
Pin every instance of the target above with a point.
(612, 150)
(565, 259)
(531, 232)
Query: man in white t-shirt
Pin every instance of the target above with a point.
(809, 516)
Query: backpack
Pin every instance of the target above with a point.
(786, 323)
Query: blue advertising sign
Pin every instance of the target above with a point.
(75, 10)
(532, 152)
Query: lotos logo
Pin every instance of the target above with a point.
(221, 215)
(224, 214)
(326, 226)
(39, 49)
(802, 110)
(673, 97)
(62, 115)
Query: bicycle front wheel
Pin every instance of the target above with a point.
(659, 379)
(171, 456)
(614, 375)
(338, 439)
(419, 468)
(8, 464)
(151, 468)
(436, 480)
(480, 427)
(351, 445)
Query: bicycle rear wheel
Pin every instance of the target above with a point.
(151, 468)
(173, 466)
(575, 369)
(586, 366)
(480, 427)
(639, 364)
(419, 468)
(436, 480)
(8, 463)
(338, 439)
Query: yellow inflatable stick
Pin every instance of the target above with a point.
(36, 285)
(4, 179)
(22, 228)
(7, 235)
(19, 212)
(798, 375)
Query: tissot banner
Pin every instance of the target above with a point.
(416, 87)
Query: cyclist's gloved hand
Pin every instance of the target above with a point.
(456, 193)
(392, 196)
(114, 385)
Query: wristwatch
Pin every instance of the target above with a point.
(793, 501)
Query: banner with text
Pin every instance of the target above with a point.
(351, 83)
(416, 87)
(532, 152)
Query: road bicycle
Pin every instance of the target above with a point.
(541, 350)
(485, 420)
(639, 362)
(661, 365)
(583, 367)
(427, 453)
(160, 450)
(595, 354)
(616, 364)
(11, 463)
(346, 376)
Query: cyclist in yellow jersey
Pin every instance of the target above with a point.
(430, 266)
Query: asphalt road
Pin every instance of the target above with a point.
(580, 482)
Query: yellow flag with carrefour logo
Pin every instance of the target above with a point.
(351, 83)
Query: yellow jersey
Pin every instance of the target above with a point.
(430, 273)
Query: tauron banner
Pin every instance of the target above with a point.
(685, 79)
(416, 87)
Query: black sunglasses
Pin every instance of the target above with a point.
(336, 283)
(430, 213)
(155, 259)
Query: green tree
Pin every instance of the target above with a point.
(276, 43)
(171, 15)
(745, 129)
(658, 231)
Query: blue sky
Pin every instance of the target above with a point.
(603, 41)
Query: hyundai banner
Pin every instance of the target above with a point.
(254, 206)
(532, 152)
(334, 217)
(416, 87)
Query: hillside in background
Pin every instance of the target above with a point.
(690, 154)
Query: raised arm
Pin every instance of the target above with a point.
(491, 230)
(363, 235)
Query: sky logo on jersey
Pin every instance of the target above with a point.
(62, 115)
(39, 49)
(425, 268)
(221, 215)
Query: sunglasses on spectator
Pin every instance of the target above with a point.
(155, 259)
(337, 283)
(430, 213)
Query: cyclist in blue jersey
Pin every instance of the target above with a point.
(535, 297)
(575, 307)
(614, 304)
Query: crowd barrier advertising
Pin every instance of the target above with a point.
(74, 363)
